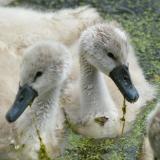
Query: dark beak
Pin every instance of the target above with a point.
(25, 97)
(121, 77)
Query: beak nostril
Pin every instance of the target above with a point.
(125, 78)
(21, 98)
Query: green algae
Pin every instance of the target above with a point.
(127, 147)
(124, 111)
(42, 154)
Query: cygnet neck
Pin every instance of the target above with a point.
(94, 92)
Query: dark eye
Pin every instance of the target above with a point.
(111, 55)
(38, 74)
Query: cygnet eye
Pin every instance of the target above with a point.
(38, 74)
(111, 55)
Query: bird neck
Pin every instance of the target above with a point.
(40, 114)
(45, 105)
(95, 95)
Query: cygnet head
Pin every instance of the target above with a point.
(44, 67)
(106, 47)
